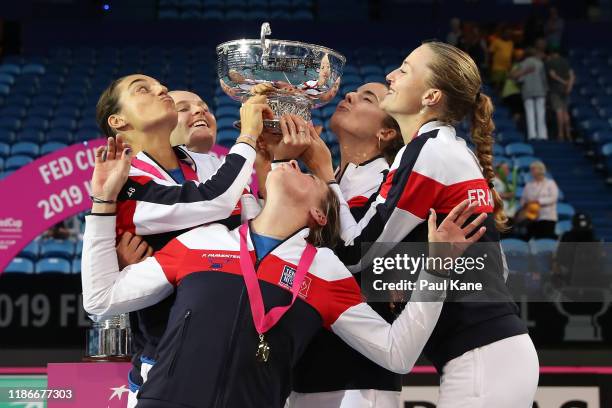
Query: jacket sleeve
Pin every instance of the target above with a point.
(396, 346)
(147, 206)
(108, 290)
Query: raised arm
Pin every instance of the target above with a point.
(148, 206)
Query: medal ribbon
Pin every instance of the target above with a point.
(265, 321)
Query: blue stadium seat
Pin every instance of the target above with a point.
(370, 69)
(31, 251)
(595, 125)
(13, 111)
(606, 150)
(518, 193)
(519, 149)
(565, 211)
(543, 251)
(375, 78)
(225, 123)
(10, 68)
(59, 135)
(503, 124)
(279, 3)
(497, 160)
(35, 122)
(353, 79)
(25, 148)
(279, 14)
(350, 70)
(517, 254)
(6, 79)
(510, 136)
(68, 112)
(212, 14)
(53, 265)
(584, 112)
(7, 136)
(235, 15)
(1, 163)
(257, 14)
(57, 248)
(303, 15)
(4, 89)
(226, 137)
(10, 123)
(30, 135)
(602, 100)
(37, 69)
(227, 111)
(20, 265)
(562, 227)
(76, 265)
(78, 249)
(51, 147)
(523, 162)
(63, 122)
(87, 133)
(17, 162)
(498, 150)
(5, 149)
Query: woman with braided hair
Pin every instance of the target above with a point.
(480, 346)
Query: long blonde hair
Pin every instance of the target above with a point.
(455, 73)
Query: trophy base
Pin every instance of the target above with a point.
(107, 359)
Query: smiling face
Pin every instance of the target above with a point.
(359, 113)
(407, 84)
(196, 126)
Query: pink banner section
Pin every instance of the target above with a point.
(47, 191)
(43, 193)
(91, 384)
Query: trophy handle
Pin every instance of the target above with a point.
(265, 46)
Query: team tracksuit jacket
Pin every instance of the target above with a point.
(338, 366)
(437, 170)
(153, 205)
(207, 354)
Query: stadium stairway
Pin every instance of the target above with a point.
(582, 186)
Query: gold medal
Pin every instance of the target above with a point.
(263, 350)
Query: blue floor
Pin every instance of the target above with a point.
(583, 187)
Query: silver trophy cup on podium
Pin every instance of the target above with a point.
(296, 77)
(109, 338)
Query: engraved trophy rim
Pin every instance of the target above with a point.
(272, 41)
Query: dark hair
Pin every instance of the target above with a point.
(390, 148)
(327, 235)
(455, 73)
(108, 104)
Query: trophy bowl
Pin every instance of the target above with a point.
(296, 77)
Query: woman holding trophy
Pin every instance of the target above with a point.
(162, 196)
(436, 87)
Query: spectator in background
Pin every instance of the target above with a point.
(561, 81)
(501, 49)
(554, 29)
(505, 184)
(454, 37)
(532, 76)
(539, 204)
(511, 96)
(476, 47)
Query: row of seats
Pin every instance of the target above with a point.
(52, 248)
(45, 265)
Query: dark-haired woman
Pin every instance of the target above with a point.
(163, 196)
(248, 300)
(369, 140)
(480, 345)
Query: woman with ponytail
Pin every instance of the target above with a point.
(480, 346)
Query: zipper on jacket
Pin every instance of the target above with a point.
(177, 351)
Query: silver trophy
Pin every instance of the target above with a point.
(109, 338)
(296, 77)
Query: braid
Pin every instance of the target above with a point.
(482, 136)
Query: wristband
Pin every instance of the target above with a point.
(100, 201)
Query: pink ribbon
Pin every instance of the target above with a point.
(265, 321)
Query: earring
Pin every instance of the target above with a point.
(378, 142)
